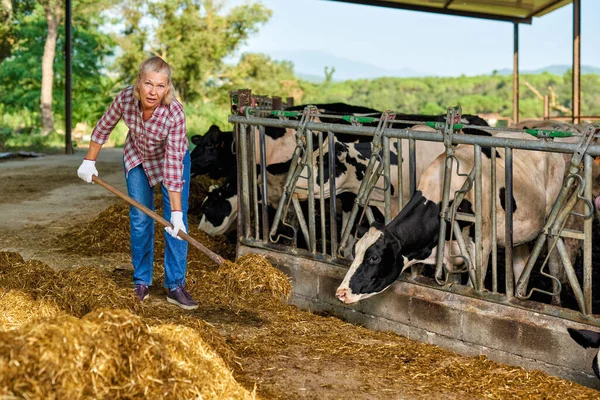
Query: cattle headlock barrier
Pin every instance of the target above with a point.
(497, 316)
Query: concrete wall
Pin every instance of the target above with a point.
(467, 325)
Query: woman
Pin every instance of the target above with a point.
(156, 150)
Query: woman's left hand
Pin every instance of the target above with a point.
(177, 222)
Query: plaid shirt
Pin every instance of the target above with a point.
(159, 144)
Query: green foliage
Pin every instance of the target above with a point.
(11, 12)
(20, 75)
(200, 116)
(257, 72)
(476, 94)
(193, 36)
(12, 141)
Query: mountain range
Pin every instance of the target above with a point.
(310, 65)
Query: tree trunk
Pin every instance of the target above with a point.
(7, 9)
(52, 9)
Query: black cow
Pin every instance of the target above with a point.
(213, 154)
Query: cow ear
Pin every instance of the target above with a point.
(361, 230)
(585, 338)
(378, 225)
(214, 130)
(196, 139)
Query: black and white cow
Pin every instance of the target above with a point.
(351, 164)
(218, 212)
(280, 145)
(587, 339)
(412, 236)
(219, 208)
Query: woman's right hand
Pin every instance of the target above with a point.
(87, 169)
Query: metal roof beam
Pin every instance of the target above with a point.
(435, 10)
(547, 7)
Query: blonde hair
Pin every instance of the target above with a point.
(156, 64)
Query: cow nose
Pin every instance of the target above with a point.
(341, 295)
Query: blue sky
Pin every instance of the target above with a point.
(395, 39)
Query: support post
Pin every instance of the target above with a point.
(576, 92)
(516, 73)
(68, 85)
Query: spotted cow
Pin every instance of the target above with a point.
(280, 144)
(412, 236)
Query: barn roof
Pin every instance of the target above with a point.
(518, 11)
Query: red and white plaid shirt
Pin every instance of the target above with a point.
(159, 144)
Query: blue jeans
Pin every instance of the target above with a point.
(141, 228)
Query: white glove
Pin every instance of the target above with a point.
(87, 169)
(177, 222)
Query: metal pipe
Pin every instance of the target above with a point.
(322, 196)
(576, 89)
(479, 267)
(515, 72)
(445, 200)
(587, 230)
(254, 178)
(571, 276)
(494, 222)
(332, 195)
(400, 174)
(508, 221)
(412, 162)
(244, 179)
(386, 172)
(484, 141)
(303, 227)
(265, 192)
(311, 192)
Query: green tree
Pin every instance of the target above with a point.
(194, 36)
(259, 73)
(21, 74)
(11, 11)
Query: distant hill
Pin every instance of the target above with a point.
(310, 65)
(553, 69)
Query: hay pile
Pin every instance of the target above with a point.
(275, 344)
(77, 291)
(110, 354)
(253, 274)
(17, 308)
(109, 233)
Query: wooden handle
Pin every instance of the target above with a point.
(210, 254)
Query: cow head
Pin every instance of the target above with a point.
(208, 155)
(377, 264)
(219, 210)
(384, 252)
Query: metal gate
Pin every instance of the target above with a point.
(315, 222)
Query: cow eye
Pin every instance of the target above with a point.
(374, 259)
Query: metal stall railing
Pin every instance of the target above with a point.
(260, 229)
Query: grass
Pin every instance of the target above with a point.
(22, 132)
